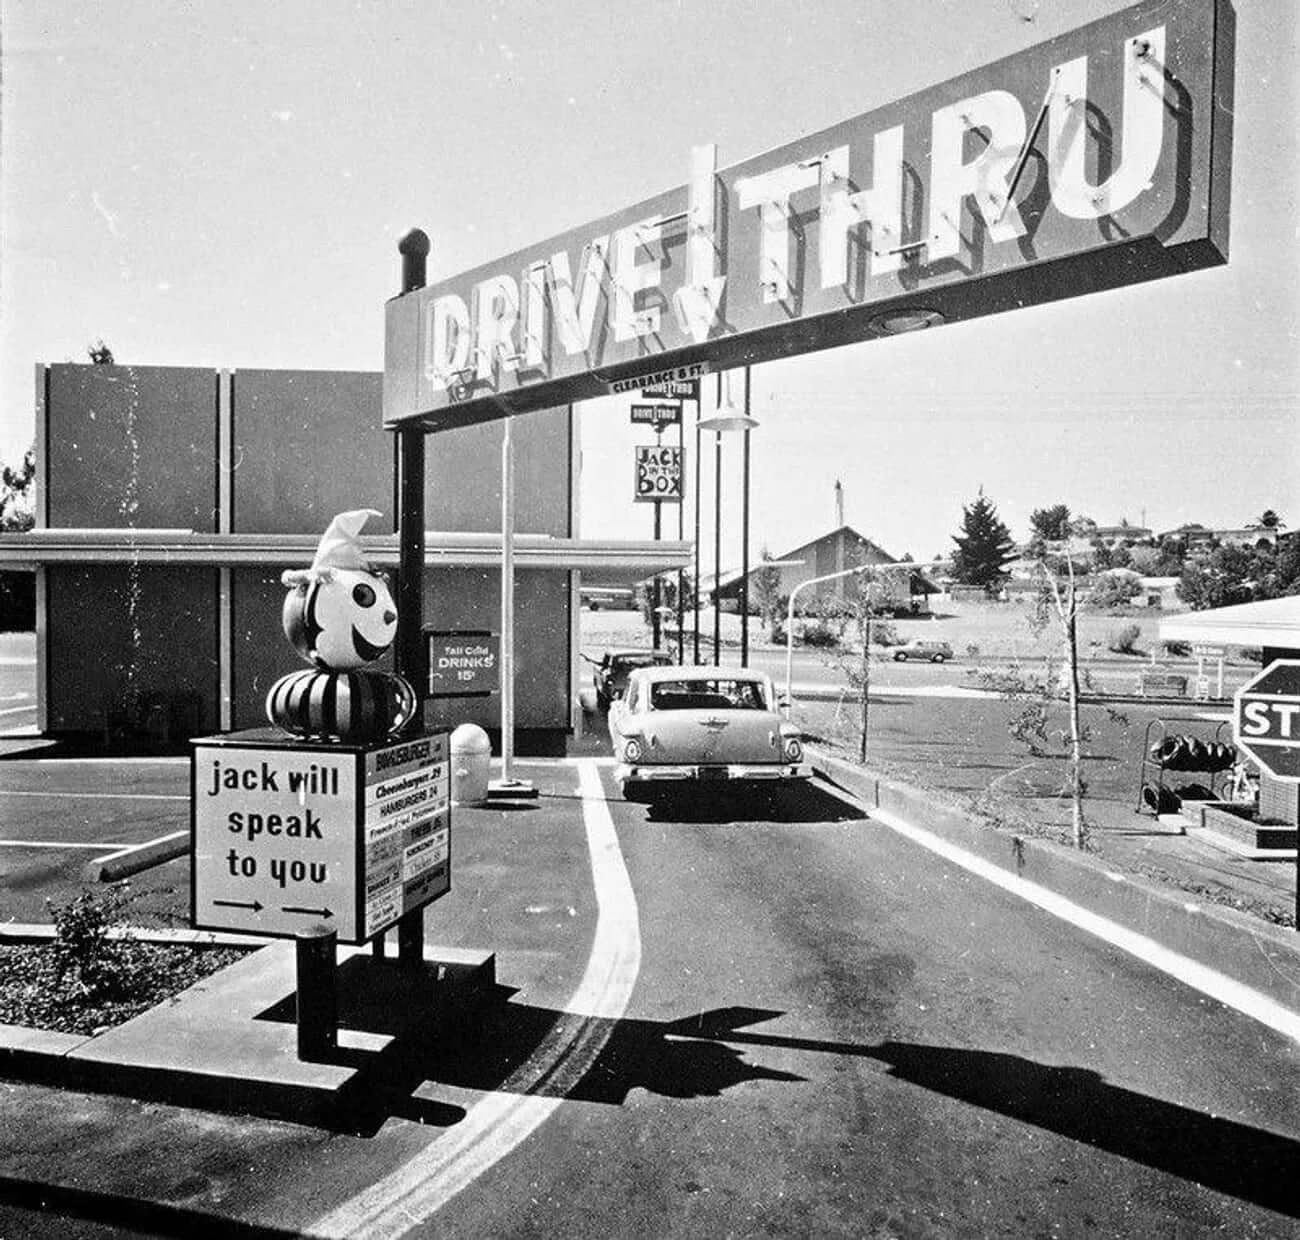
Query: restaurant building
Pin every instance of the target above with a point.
(169, 500)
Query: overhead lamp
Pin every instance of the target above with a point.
(730, 417)
(905, 319)
(732, 421)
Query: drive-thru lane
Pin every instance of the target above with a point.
(837, 1033)
(832, 1031)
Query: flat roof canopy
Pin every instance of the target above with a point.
(1095, 160)
(1273, 622)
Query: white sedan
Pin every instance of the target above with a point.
(706, 726)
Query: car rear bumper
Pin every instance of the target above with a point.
(769, 772)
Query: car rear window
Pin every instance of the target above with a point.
(707, 695)
(626, 662)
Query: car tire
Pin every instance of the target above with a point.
(937, 658)
(900, 657)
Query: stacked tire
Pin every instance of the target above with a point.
(1190, 753)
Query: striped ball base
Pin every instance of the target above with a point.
(354, 706)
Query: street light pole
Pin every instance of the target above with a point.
(789, 613)
(717, 547)
(696, 600)
(726, 419)
(744, 542)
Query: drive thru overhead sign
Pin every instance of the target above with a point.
(1096, 160)
(1266, 722)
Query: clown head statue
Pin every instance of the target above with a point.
(339, 613)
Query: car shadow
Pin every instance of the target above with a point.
(802, 803)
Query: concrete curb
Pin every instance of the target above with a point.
(136, 858)
(229, 1042)
(1255, 953)
(42, 932)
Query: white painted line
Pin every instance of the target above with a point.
(1208, 981)
(58, 844)
(409, 1195)
(11, 661)
(134, 848)
(107, 762)
(18, 710)
(95, 796)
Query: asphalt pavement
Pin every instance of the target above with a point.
(715, 1020)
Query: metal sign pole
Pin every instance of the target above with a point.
(655, 619)
(681, 537)
(508, 787)
(507, 600)
(409, 654)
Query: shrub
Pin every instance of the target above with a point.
(1124, 641)
(1178, 650)
(820, 634)
(884, 634)
(85, 958)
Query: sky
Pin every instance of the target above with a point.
(224, 186)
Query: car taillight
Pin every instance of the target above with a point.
(632, 750)
(793, 749)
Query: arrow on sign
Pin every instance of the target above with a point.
(318, 912)
(255, 905)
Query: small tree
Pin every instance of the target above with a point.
(983, 547)
(1057, 590)
(1051, 524)
(16, 494)
(100, 354)
(767, 588)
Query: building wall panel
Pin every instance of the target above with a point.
(119, 635)
(131, 447)
(308, 444)
(541, 449)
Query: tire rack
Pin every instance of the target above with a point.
(1157, 732)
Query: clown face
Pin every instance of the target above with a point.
(343, 621)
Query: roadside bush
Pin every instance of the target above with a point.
(1177, 650)
(1114, 590)
(821, 634)
(884, 634)
(85, 958)
(1124, 641)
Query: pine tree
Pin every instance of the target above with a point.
(983, 547)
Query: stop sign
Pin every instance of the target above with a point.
(1266, 722)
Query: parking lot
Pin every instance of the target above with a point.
(58, 815)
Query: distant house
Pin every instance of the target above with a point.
(840, 550)
(1117, 535)
(1194, 534)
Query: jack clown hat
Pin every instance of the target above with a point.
(340, 548)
